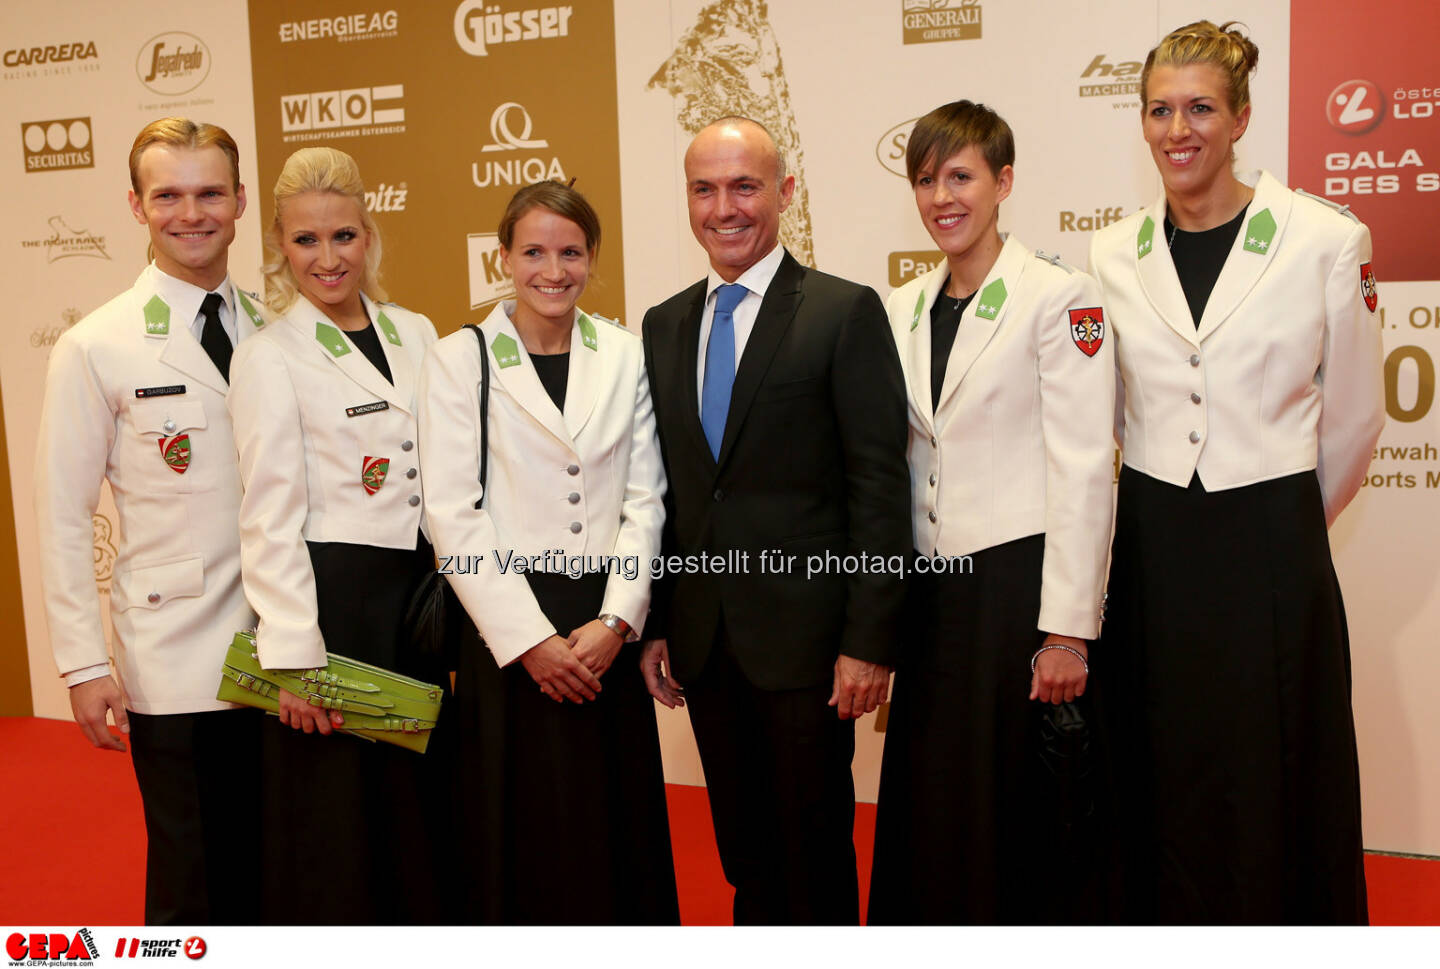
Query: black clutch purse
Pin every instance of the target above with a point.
(435, 617)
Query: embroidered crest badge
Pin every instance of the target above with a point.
(1087, 329)
(372, 473)
(1368, 288)
(176, 452)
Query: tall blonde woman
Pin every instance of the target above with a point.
(332, 546)
(1251, 363)
(559, 758)
(1012, 389)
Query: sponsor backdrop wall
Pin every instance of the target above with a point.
(451, 105)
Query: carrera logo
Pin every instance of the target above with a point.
(39, 948)
(480, 25)
(53, 54)
(371, 110)
(56, 145)
(173, 63)
(1355, 107)
(510, 130)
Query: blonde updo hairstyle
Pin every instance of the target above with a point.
(316, 170)
(1225, 47)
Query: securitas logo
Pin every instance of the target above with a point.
(480, 25)
(1355, 107)
(49, 948)
(515, 158)
(931, 21)
(173, 63)
(1102, 79)
(54, 145)
(376, 25)
(326, 115)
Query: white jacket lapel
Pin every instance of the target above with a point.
(513, 370)
(983, 317)
(1157, 274)
(1253, 251)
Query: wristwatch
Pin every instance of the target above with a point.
(618, 626)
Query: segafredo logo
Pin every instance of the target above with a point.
(173, 63)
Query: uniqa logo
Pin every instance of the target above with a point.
(890, 149)
(173, 63)
(505, 138)
(1355, 107)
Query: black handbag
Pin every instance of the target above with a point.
(435, 617)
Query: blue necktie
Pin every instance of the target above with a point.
(720, 365)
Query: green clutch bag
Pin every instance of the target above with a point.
(377, 704)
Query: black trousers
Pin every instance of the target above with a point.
(777, 770)
(197, 775)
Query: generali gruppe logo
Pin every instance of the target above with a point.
(173, 63)
(363, 111)
(481, 25)
(510, 133)
(44, 948)
(931, 21)
(55, 145)
(1355, 106)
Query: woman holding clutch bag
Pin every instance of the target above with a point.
(1252, 399)
(1011, 398)
(332, 547)
(561, 782)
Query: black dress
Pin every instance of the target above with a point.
(355, 832)
(1223, 682)
(969, 829)
(565, 821)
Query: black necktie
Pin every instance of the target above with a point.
(213, 336)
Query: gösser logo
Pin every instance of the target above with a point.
(173, 63)
(480, 25)
(1355, 107)
(55, 145)
(514, 171)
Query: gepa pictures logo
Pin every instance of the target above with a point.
(39, 948)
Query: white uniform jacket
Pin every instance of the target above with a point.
(1020, 443)
(1284, 373)
(327, 454)
(132, 397)
(588, 482)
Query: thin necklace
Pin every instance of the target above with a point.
(1171, 243)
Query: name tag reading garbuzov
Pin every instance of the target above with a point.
(169, 391)
(360, 410)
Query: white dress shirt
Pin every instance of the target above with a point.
(756, 279)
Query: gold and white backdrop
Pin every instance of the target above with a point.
(449, 105)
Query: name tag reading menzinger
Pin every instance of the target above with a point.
(169, 391)
(360, 410)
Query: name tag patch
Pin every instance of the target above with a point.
(169, 391)
(359, 410)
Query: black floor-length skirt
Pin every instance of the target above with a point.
(972, 827)
(563, 804)
(355, 832)
(1223, 681)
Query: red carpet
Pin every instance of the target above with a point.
(75, 842)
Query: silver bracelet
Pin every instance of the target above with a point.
(1073, 652)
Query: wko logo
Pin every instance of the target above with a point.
(55, 145)
(330, 111)
(512, 170)
(38, 948)
(173, 63)
(480, 25)
(489, 279)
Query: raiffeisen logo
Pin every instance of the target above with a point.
(480, 26)
(1355, 107)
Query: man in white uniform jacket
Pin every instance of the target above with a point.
(136, 395)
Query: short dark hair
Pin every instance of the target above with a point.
(954, 126)
(558, 198)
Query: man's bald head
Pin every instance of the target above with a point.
(736, 187)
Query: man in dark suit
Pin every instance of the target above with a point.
(781, 409)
